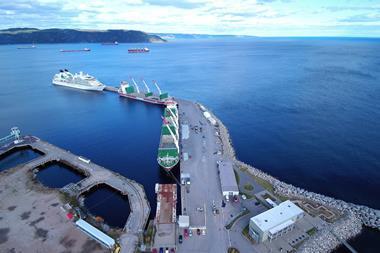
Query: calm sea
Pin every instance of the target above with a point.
(304, 110)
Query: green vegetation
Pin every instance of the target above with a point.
(32, 35)
(248, 187)
(265, 184)
(149, 234)
(311, 232)
(245, 233)
(232, 250)
(229, 225)
(237, 177)
(67, 198)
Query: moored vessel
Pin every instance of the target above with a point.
(86, 49)
(79, 80)
(133, 92)
(139, 50)
(168, 151)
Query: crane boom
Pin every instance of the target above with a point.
(158, 88)
(146, 86)
(137, 87)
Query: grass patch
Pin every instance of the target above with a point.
(248, 195)
(233, 250)
(311, 232)
(229, 225)
(245, 233)
(237, 177)
(149, 234)
(248, 187)
(265, 184)
(67, 198)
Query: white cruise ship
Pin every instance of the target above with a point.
(78, 80)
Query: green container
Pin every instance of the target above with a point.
(148, 94)
(165, 130)
(130, 89)
(164, 96)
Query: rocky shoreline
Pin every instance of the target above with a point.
(348, 226)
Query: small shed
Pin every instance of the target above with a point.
(184, 221)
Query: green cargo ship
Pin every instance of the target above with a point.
(168, 151)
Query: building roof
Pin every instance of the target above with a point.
(166, 203)
(227, 177)
(276, 216)
(96, 233)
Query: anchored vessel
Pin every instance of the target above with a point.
(115, 43)
(75, 50)
(79, 80)
(168, 151)
(139, 50)
(133, 91)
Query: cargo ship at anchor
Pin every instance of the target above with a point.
(168, 151)
(133, 92)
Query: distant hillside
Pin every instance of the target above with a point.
(173, 36)
(33, 35)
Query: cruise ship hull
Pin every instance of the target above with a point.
(78, 86)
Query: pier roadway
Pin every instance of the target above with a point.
(95, 175)
(202, 146)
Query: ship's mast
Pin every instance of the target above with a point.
(146, 86)
(137, 87)
(158, 88)
(174, 137)
(172, 114)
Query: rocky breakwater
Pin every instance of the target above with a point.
(326, 239)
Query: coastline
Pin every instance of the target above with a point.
(325, 240)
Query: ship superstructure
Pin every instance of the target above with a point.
(132, 90)
(168, 151)
(79, 80)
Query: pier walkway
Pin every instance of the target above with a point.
(95, 175)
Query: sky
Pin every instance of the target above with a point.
(349, 18)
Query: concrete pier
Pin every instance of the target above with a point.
(95, 175)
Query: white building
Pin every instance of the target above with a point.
(227, 179)
(275, 221)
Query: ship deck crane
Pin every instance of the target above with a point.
(137, 87)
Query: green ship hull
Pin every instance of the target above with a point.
(168, 151)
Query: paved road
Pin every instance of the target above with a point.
(201, 147)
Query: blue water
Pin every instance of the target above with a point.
(12, 159)
(57, 175)
(107, 196)
(303, 110)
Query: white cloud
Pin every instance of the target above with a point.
(268, 18)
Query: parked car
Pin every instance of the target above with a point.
(243, 196)
(154, 250)
(198, 231)
(185, 233)
(167, 250)
(161, 250)
(172, 250)
(236, 199)
(190, 233)
(180, 239)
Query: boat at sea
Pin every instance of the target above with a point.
(86, 49)
(115, 43)
(79, 80)
(28, 47)
(139, 50)
(168, 151)
(133, 92)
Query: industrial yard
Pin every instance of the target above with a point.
(32, 218)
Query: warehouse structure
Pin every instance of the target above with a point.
(275, 222)
(227, 179)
